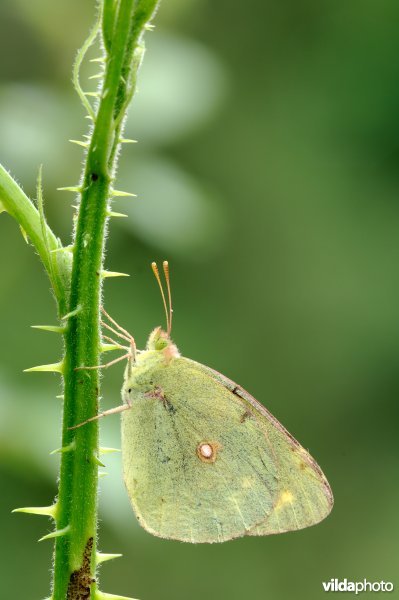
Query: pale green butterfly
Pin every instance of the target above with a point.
(203, 461)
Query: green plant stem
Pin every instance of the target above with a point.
(75, 549)
(19, 206)
(76, 276)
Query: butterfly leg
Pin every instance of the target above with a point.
(105, 413)
(108, 364)
(123, 331)
(130, 355)
(120, 332)
(124, 337)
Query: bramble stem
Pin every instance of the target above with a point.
(76, 275)
(75, 552)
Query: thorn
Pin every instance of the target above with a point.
(102, 557)
(89, 117)
(127, 141)
(102, 474)
(24, 234)
(68, 448)
(104, 596)
(116, 214)
(79, 143)
(73, 313)
(51, 368)
(69, 249)
(97, 461)
(100, 59)
(53, 328)
(56, 533)
(104, 450)
(94, 94)
(109, 347)
(47, 511)
(105, 274)
(149, 27)
(121, 194)
(75, 189)
(60, 397)
(97, 76)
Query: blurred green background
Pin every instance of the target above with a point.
(267, 173)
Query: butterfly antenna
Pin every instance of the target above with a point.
(154, 268)
(167, 278)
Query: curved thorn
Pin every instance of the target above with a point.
(73, 313)
(103, 557)
(120, 194)
(51, 368)
(56, 533)
(105, 274)
(79, 143)
(75, 189)
(47, 511)
(104, 450)
(104, 596)
(111, 347)
(116, 214)
(68, 448)
(52, 328)
(97, 461)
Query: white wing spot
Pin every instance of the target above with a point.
(205, 450)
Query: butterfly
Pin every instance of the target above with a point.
(203, 461)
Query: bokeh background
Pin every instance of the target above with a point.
(267, 173)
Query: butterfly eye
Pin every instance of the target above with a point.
(161, 343)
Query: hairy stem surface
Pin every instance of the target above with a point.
(75, 548)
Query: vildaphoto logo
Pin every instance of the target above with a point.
(344, 585)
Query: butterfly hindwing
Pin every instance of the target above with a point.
(257, 479)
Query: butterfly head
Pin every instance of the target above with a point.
(160, 341)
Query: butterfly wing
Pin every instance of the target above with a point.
(253, 483)
(304, 496)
